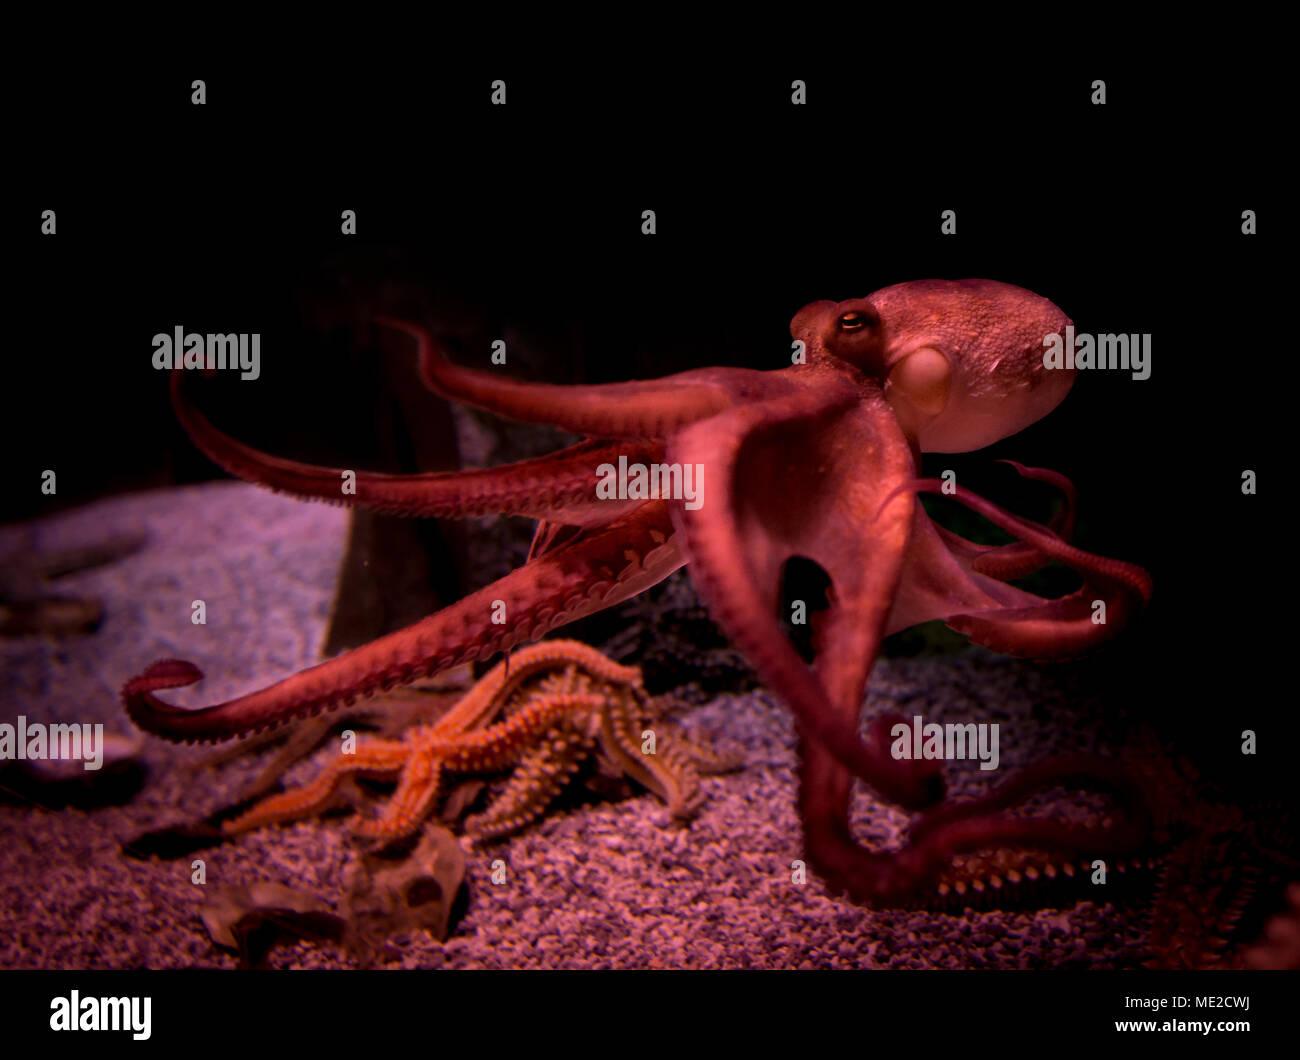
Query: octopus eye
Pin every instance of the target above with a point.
(853, 321)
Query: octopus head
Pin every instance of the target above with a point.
(961, 361)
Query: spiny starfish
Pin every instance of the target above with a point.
(559, 699)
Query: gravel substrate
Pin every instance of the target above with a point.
(601, 885)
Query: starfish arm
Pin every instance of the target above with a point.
(674, 777)
(669, 773)
(559, 486)
(478, 706)
(372, 756)
(416, 792)
(703, 758)
(542, 772)
(641, 410)
(593, 572)
(502, 744)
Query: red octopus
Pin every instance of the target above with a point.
(818, 461)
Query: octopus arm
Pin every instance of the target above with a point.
(1029, 626)
(798, 476)
(560, 486)
(588, 574)
(640, 410)
(1007, 562)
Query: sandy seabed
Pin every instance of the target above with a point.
(603, 885)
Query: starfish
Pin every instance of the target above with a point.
(559, 699)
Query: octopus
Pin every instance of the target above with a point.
(818, 462)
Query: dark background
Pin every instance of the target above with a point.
(480, 219)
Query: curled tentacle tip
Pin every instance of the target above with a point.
(429, 354)
(427, 348)
(137, 694)
(417, 332)
(1021, 469)
(1145, 589)
(165, 673)
(1044, 474)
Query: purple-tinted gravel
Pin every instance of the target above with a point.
(610, 885)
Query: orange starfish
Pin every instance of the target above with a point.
(560, 698)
